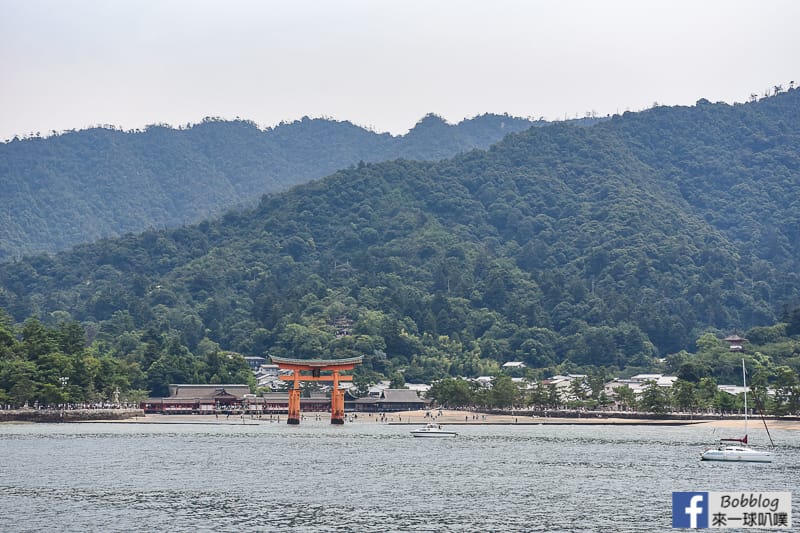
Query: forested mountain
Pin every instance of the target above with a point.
(80, 186)
(603, 246)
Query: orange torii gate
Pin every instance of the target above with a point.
(316, 367)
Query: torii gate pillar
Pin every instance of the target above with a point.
(316, 367)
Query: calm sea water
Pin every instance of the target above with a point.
(363, 477)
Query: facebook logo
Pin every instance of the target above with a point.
(690, 509)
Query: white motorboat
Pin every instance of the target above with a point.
(740, 451)
(433, 430)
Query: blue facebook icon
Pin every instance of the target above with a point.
(690, 509)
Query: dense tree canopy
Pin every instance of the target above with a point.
(57, 366)
(565, 247)
(79, 186)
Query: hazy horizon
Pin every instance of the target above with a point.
(379, 65)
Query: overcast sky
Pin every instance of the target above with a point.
(68, 64)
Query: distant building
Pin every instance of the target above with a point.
(198, 399)
(638, 383)
(484, 381)
(735, 343)
(211, 399)
(563, 385)
(376, 390)
(391, 400)
(255, 362)
(269, 370)
(268, 376)
(733, 390)
(419, 388)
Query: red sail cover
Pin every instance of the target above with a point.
(743, 440)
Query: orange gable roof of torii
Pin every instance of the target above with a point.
(317, 363)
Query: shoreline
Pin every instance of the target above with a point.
(68, 415)
(406, 418)
(453, 417)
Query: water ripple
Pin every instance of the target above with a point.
(361, 477)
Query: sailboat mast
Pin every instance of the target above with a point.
(744, 383)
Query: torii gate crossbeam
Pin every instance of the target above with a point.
(315, 367)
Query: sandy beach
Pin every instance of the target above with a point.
(462, 417)
(445, 417)
(754, 424)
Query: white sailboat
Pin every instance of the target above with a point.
(737, 452)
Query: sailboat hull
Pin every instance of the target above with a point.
(736, 454)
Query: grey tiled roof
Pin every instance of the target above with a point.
(401, 396)
(207, 391)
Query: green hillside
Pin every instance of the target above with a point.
(80, 186)
(561, 246)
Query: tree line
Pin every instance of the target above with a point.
(68, 364)
(780, 398)
(615, 246)
(56, 366)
